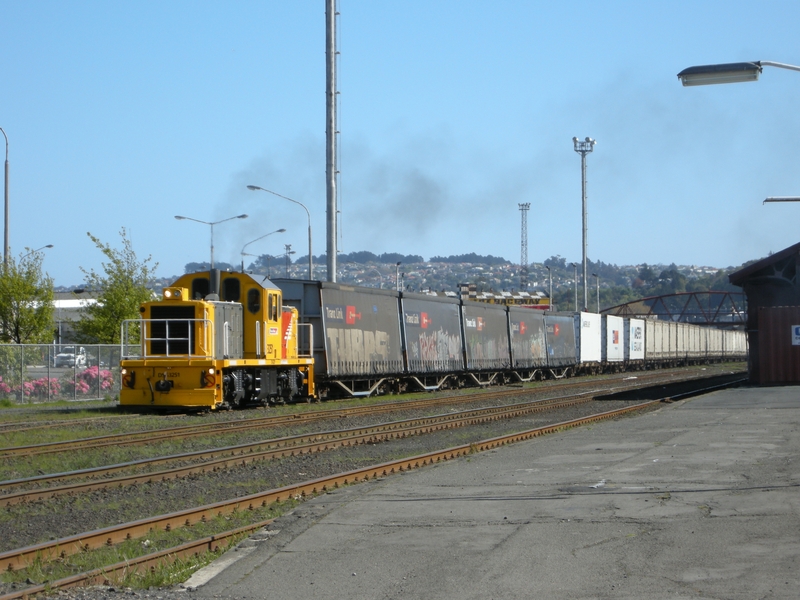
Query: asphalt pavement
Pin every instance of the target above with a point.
(698, 499)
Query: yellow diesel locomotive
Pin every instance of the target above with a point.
(216, 340)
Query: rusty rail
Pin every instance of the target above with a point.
(150, 436)
(221, 458)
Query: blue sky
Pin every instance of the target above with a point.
(124, 114)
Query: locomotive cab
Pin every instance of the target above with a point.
(212, 344)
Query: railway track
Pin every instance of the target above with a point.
(216, 428)
(59, 549)
(142, 471)
(221, 458)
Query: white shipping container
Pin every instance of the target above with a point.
(634, 341)
(715, 345)
(688, 341)
(735, 343)
(697, 348)
(589, 330)
(613, 339)
(659, 344)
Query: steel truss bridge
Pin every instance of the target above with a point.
(720, 309)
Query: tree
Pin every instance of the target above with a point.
(556, 262)
(26, 301)
(119, 292)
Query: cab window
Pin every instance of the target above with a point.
(254, 300)
(200, 288)
(231, 290)
(272, 307)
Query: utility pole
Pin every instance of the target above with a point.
(331, 162)
(575, 278)
(523, 258)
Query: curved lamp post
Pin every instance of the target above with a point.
(255, 240)
(308, 214)
(728, 72)
(180, 218)
(5, 230)
(35, 251)
(380, 275)
(733, 73)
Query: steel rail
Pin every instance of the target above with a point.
(149, 436)
(47, 551)
(258, 451)
(21, 427)
(244, 454)
(104, 575)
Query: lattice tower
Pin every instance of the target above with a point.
(523, 258)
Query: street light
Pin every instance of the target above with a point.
(397, 276)
(35, 251)
(597, 278)
(550, 276)
(380, 285)
(255, 240)
(583, 148)
(728, 73)
(247, 254)
(575, 277)
(308, 214)
(5, 230)
(733, 73)
(212, 228)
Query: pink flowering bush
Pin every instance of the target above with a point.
(46, 387)
(87, 381)
(78, 387)
(92, 374)
(33, 389)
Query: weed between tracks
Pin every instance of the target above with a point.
(168, 573)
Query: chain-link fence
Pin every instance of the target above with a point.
(46, 372)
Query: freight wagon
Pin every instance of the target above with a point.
(224, 340)
(438, 342)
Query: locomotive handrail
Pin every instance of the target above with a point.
(226, 332)
(310, 353)
(145, 326)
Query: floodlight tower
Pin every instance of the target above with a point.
(523, 258)
(583, 148)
